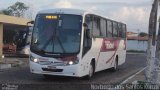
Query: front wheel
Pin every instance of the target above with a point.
(91, 71)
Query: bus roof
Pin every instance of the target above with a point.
(63, 11)
(71, 11)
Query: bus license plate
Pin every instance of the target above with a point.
(51, 67)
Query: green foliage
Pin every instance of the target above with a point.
(1, 12)
(18, 9)
(142, 34)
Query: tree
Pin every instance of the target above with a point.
(1, 12)
(18, 9)
(142, 34)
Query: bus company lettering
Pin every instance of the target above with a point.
(109, 44)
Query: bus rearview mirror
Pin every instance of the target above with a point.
(85, 25)
(30, 22)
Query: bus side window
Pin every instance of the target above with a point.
(120, 30)
(123, 31)
(109, 28)
(103, 27)
(115, 29)
(88, 21)
(96, 26)
(87, 40)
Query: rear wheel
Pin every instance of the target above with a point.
(115, 67)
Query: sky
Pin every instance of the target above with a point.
(135, 13)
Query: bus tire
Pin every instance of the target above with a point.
(115, 67)
(91, 71)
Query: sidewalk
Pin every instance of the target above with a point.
(139, 76)
(9, 62)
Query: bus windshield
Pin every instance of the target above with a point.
(57, 34)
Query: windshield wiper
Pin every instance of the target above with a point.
(52, 38)
(61, 44)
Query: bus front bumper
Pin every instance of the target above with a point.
(69, 70)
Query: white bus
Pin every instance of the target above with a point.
(71, 42)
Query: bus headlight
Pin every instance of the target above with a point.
(33, 59)
(71, 62)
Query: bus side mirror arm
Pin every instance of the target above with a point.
(30, 22)
(85, 25)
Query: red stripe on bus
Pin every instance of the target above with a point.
(111, 57)
(105, 49)
(98, 58)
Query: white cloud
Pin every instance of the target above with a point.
(135, 18)
(63, 4)
(129, 13)
(92, 8)
(135, 13)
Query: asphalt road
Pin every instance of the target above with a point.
(22, 76)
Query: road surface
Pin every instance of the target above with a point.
(22, 76)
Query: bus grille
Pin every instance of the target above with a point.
(53, 70)
(54, 64)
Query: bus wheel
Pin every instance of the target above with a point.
(115, 67)
(91, 71)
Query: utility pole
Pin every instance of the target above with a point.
(153, 52)
(138, 31)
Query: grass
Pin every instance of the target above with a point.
(136, 51)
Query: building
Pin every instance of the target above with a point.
(9, 23)
(132, 34)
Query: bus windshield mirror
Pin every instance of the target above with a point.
(85, 25)
(31, 22)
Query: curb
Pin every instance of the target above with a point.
(132, 76)
(135, 53)
(9, 63)
(16, 64)
(5, 66)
